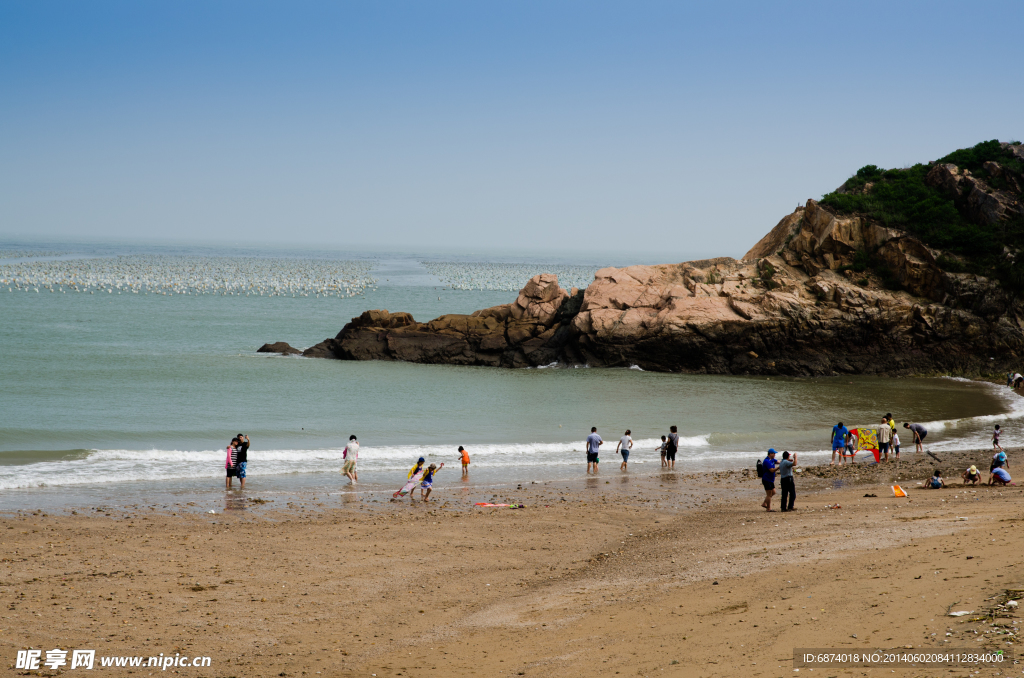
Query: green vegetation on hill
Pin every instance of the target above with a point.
(900, 198)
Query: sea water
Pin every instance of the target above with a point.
(114, 397)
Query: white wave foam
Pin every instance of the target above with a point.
(113, 466)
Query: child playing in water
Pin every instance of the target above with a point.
(415, 475)
(465, 460)
(428, 481)
(995, 439)
(661, 449)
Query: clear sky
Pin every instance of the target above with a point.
(686, 129)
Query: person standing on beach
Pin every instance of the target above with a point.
(919, 434)
(896, 444)
(851, 447)
(786, 483)
(464, 457)
(672, 448)
(995, 439)
(884, 438)
(839, 436)
(242, 458)
(351, 456)
(623, 448)
(661, 448)
(229, 463)
(768, 479)
(594, 444)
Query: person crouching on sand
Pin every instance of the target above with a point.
(936, 481)
(351, 456)
(464, 456)
(971, 476)
(427, 484)
(1000, 476)
(768, 479)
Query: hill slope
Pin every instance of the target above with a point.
(970, 204)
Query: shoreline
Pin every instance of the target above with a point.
(609, 580)
(198, 497)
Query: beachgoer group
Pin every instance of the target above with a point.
(767, 469)
(420, 475)
(236, 460)
(667, 450)
(999, 469)
(845, 443)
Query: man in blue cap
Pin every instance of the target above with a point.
(768, 479)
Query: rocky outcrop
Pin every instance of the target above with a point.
(533, 330)
(794, 305)
(819, 294)
(281, 347)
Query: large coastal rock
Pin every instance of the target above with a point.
(533, 330)
(800, 302)
(794, 305)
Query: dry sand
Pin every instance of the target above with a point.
(608, 578)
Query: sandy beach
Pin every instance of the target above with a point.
(604, 577)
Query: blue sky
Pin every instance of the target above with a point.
(681, 129)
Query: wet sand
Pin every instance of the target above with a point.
(665, 574)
